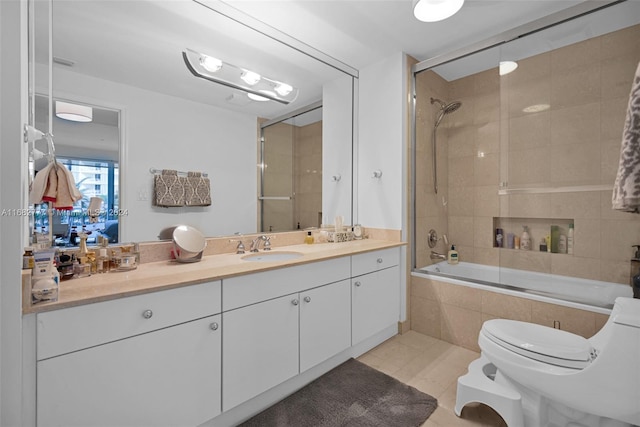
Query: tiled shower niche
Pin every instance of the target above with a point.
(538, 229)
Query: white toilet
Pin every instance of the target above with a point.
(536, 376)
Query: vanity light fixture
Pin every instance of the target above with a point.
(507, 67)
(435, 10)
(74, 112)
(259, 88)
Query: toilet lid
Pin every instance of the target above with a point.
(539, 342)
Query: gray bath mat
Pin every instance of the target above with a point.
(352, 394)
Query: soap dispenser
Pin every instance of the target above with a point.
(452, 256)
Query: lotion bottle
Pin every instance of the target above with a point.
(452, 256)
(570, 240)
(525, 239)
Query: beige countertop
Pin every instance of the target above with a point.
(156, 276)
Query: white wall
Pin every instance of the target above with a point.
(382, 143)
(166, 132)
(13, 113)
(337, 149)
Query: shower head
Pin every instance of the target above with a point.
(445, 108)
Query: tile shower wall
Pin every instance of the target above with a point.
(278, 177)
(308, 175)
(293, 158)
(575, 143)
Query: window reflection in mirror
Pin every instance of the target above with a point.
(90, 151)
(291, 172)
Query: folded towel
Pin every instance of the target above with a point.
(168, 189)
(197, 190)
(626, 190)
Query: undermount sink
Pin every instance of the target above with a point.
(272, 256)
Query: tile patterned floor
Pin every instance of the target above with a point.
(432, 366)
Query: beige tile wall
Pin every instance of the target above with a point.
(278, 179)
(308, 175)
(574, 143)
(455, 313)
(293, 155)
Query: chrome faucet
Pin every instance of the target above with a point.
(436, 255)
(255, 243)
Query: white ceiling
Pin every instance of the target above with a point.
(360, 33)
(139, 42)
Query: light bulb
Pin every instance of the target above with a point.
(283, 89)
(250, 77)
(210, 63)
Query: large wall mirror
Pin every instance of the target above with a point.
(127, 58)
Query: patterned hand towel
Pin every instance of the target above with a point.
(168, 189)
(626, 190)
(198, 190)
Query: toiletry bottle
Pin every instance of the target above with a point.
(516, 242)
(499, 237)
(543, 245)
(525, 240)
(28, 261)
(636, 285)
(309, 239)
(562, 244)
(570, 240)
(103, 261)
(452, 256)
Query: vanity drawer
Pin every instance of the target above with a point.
(373, 261)
(71, 329)
(254, 288)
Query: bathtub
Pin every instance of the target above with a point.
(592, 295)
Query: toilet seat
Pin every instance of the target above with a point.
(548, 345)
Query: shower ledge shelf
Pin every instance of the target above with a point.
(546, 190)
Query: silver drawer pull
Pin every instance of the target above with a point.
(214, 326)
(294, 302)
(147, 314)
(358, 284)
(307, 299)
(379, 260)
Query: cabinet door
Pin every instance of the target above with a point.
(259, 348)
(168, 377)
(325, 323)
(375, 303)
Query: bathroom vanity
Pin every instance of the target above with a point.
(214, 342)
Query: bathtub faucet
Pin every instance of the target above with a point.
(436, 255)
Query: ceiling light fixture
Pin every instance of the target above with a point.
(260, 98)
(215, 70)
(435, 10)
(74, 112)
(507, 67)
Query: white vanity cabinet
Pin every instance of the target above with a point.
(375, 293)
(282, 322)
(152, 359)
(325, 323)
